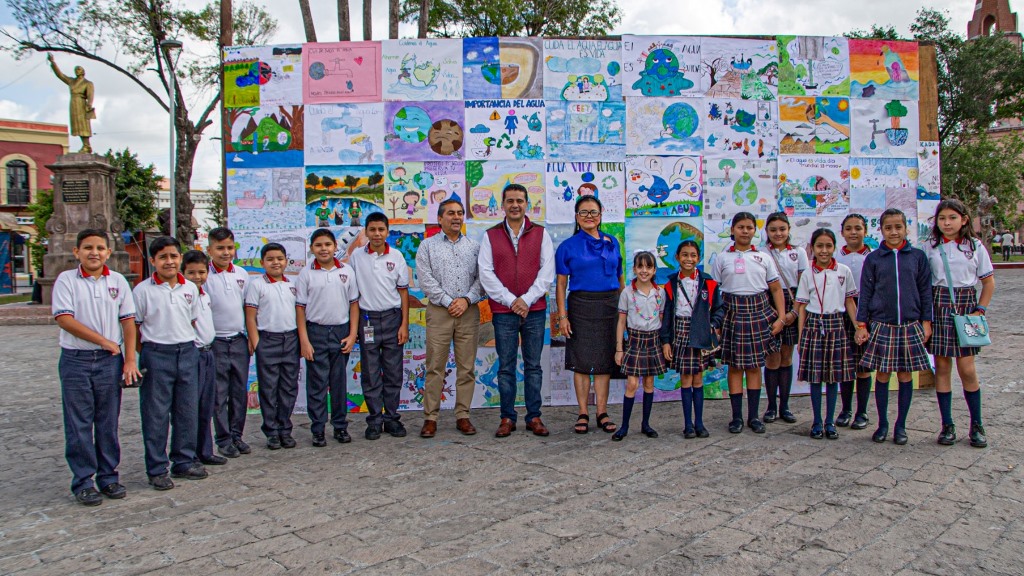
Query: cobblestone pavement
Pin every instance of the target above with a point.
(568, 504)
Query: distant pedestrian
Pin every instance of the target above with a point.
(1007, 243)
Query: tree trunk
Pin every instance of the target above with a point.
(307, 21)
(367, 19)
(226, 37)
(344, 29)
(187, 145)
(424, 18)
(393, 17)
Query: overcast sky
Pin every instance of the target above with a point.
(129, 117)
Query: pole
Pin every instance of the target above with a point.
(172, 227)
(226, 34)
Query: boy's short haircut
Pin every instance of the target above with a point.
(377, 217)
(194, 257)
(320, 233)
(89, 233)
(272, 246)
(220, 233)
(161, 242)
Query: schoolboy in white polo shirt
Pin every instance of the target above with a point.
(226, 287)
(383, 326)
(326, 298)
(270, 323)
(96, 313)
(167, 306)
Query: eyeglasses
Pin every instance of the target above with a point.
(588, 213)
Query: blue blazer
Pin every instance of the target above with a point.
(708, 313)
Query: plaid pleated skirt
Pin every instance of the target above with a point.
(895, 348)
(686, 360)
(790, 334)
(825, 350)
(856, 350)
(944, 341)
(594, 317)
(747, 334)
(642, 354)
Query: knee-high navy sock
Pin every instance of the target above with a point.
(816, 403)
(846, 392)
(882, 402)
(974, 405)
(737, 406)
(863, 394)
(906, 394)
(627, 409)
(753, 403)
(698, 406)
(945, 407)
(831, 392)
(785, 377)
(686, 395)
(648, 404)
(771, 384)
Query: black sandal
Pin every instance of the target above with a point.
(582, 424)
(608, 426)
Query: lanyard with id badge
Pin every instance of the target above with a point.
(367, 330)
(740, 264)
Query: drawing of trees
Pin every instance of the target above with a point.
(712, 69)
(312, 181)
(375, 178)
(327, 182)
(351, 181)
(295, 123)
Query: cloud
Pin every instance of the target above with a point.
(480, 129)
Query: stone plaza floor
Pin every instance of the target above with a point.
(779, 503)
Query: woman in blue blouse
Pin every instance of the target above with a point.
(590, 265)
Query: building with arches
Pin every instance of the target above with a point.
(994, 17)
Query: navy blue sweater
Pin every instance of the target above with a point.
(708, 313)
(895, 286)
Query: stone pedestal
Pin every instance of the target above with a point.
(84, 196)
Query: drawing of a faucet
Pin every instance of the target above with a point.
(874, 131)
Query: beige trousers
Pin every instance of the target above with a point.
(442, 331)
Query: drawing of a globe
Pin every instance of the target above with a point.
(744, 193)
(682, 119)
(317, 71)
(669, 239)
(412, 124)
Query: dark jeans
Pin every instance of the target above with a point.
(381, 363)
(231, 398)
(207, 393)
(277, 372)
(91, 397)
(508, 329)
(169, 396)
(327, 371)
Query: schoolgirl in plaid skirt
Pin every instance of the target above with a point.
(855, 228)
(746, 275)
(824, 298)
(641, 305)
(954, 255)
(791, 263)
(894, 319)
(690, 330)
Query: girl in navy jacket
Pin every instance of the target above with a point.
(690, 328)
(894, 317)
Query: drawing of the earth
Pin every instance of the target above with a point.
(445, 137)
(744, 193)
(661, 75)
(317, 71)
(412, 124)
(681, 119)
(669, 239)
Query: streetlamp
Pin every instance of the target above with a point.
(168, 46)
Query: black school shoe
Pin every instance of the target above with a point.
(689, 433)
(736, 426)
(844, 419)
(114, 491)
(831, 433)
(395, 428)
(89, 497)
(342, 436)
(788, 417)
(880, 434)
(319, 441)
(899, 437)
(372, 433)
(978, 439)
(214, 460)
(649, 432)
(948, 435)
(702, 432)
(242, 447)
(193, 472)
(860, 422)
(161, 482)
(769, 416)
(757, 426)
(817, 433)
(273, 443)
(287, 442)
(228, 451)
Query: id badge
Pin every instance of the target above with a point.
(740, 265)
(368, 334)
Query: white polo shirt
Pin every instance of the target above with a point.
(274, 301)
(969, 263)
(165, 314)
(326, 294)
(743, 273)
(825, 290)
(790, 262)
(854, 260)
(227, 289)
(643, 311)
(688, 284)
(380, 276)
(98, 303)
(204, 323)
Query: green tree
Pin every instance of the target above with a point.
(136, 186)
(374, 179)
(125, 35)
(877, 32)
(217, 207)
(351, 181)
(466, 18)
(41, 211)
(328, 183)
(312, 180)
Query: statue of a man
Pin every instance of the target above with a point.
(82, 112)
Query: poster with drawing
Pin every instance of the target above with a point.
(813, 66)
(485, 179)
(341, 72)
(814, 125)
(266, 136)
(567, 182)
(262, 76)
(502, 68)
(664, 126)
(732, 186)
(424, 131)
(734, 128)
(889, 129)
(884, 70)
(663, 186)
(814, 185)
(414, 190)
(341, 195)
(928, 178)
(661, 236)
(505, 129)
(582, 70)
(586, 131)
(265, 198)
(344, 133)
(250, 242)
(662, 66)
(740, 69)
(880, 183)
(421, 69)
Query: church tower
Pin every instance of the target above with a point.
(994, 17)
